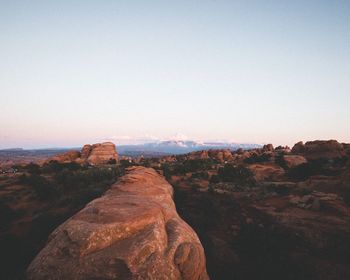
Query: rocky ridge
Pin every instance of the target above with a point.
(131, 232)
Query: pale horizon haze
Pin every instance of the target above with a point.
(75, 72)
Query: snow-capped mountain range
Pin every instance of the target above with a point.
(180, 147)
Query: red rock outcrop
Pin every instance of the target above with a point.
(291, 161)
(264, 172)
(132, 232)
(198, 155)
(268, 148)
(218, 155)
(100, 153)
(221, 155)
(330, 149)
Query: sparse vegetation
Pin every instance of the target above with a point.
(237, 174)
(255, 158)
(316, 167)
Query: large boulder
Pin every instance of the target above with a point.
(100, 153)
(131, 232)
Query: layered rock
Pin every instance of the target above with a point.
(100, 153)
(132, 232)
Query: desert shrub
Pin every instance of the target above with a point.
(195, 187)
(43, 188)
(215, 179)
(200, 175)
(33, 168)
(301, 172)
(166, 171)
(112, 161)
(124, 163)
(238, 174)
(280, 161)
(54, 166)
(179, 169)
(70, 180)
(341, 161)
(18, 167)
(258, 158)
(193, 165)
(6, 214)
(311, 168)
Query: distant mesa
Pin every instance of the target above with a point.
(96, 154)
(12, 150)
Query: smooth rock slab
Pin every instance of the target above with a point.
(132, 232)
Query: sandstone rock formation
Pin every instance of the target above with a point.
(330, 149)
(100, 153)
(268, 148)
(293, 160)
(284, 149)
(221, 155)
(264, 172)
(96, 154)
(132, 232)
(217, 155)
(198, 155)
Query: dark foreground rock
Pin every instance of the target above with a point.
(132, 232)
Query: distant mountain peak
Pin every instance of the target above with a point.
(181, 147)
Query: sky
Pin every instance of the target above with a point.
(75, 72)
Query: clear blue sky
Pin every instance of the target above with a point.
(74, 72)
